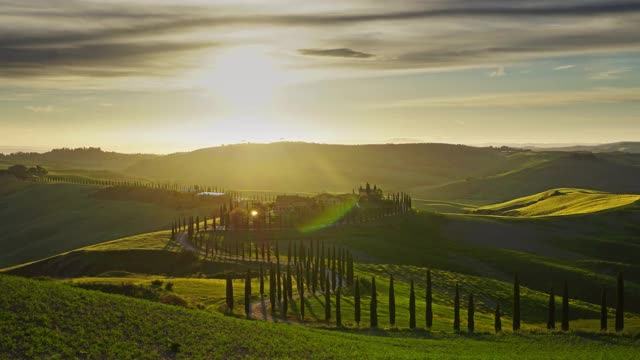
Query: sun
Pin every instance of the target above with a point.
(254, 213)
(246, 78)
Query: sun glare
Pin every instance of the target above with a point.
(254, 213)
(246, 78)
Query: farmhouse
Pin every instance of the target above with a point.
(290, 203)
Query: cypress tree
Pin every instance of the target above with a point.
(497, 321)
(412, 307)
(551, 317)
(471, 324)
(279, 282)
(261, 280)
(229, 293)
(301, 280)
(247, 295)
(456, 310)
(289, 287)
(516, 303)
(327, 303)
(338, 313)
(373, 313)
(603, 311)
(392, 303)
(565, 308)
(285, 301)
(357, 302)
(620, 303)
(429, 298)
(272, 288)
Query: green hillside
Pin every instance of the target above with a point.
(40, 220)
(59, 321)
(602, 172)
(586, 250)
(560, 202)
(320, 167)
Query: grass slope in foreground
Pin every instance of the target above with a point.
(50, 320)
(563, 201)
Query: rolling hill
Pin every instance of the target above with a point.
(622, 146)
(60, 321)
(321, 167)
(40, 220)
(602, 172)
(560, 202)
(80, 158)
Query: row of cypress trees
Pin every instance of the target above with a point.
(281, 292)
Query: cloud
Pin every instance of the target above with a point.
(120, 41)
(499, 72)
(93, 60)
(523, 99)
(341, 52)
(43, 109)
(609, 74)
(563, 67)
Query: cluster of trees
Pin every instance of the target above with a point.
(23, 173)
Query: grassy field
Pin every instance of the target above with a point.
(47, 320)
(40, 220)
(585, 250)
(556, 202)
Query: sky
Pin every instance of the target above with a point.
(175, 75)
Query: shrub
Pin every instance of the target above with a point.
(175, 300)
(169, 286)
(156, 283)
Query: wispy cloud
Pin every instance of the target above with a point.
(42, 109)
(563, 67)
(523, 99)
(613, 74)
(499, 72)
(341, 52)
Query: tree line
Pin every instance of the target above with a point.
(281, 295)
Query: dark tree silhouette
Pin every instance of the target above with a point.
(285, 300)
(497, 323)
(551, 316)
(412, 307)
(301, 283)
(392, 303)
(338, 312)
(327, 302)
(261, 280)
(471, 324)
(429, 299)
(620, 303)
(373, 312)
(357, 302)
(456, 310)
(229, 293)
(565, 307)
(247, 294)
(603, 310)
(516, 303)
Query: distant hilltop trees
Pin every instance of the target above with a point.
(23, 173)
